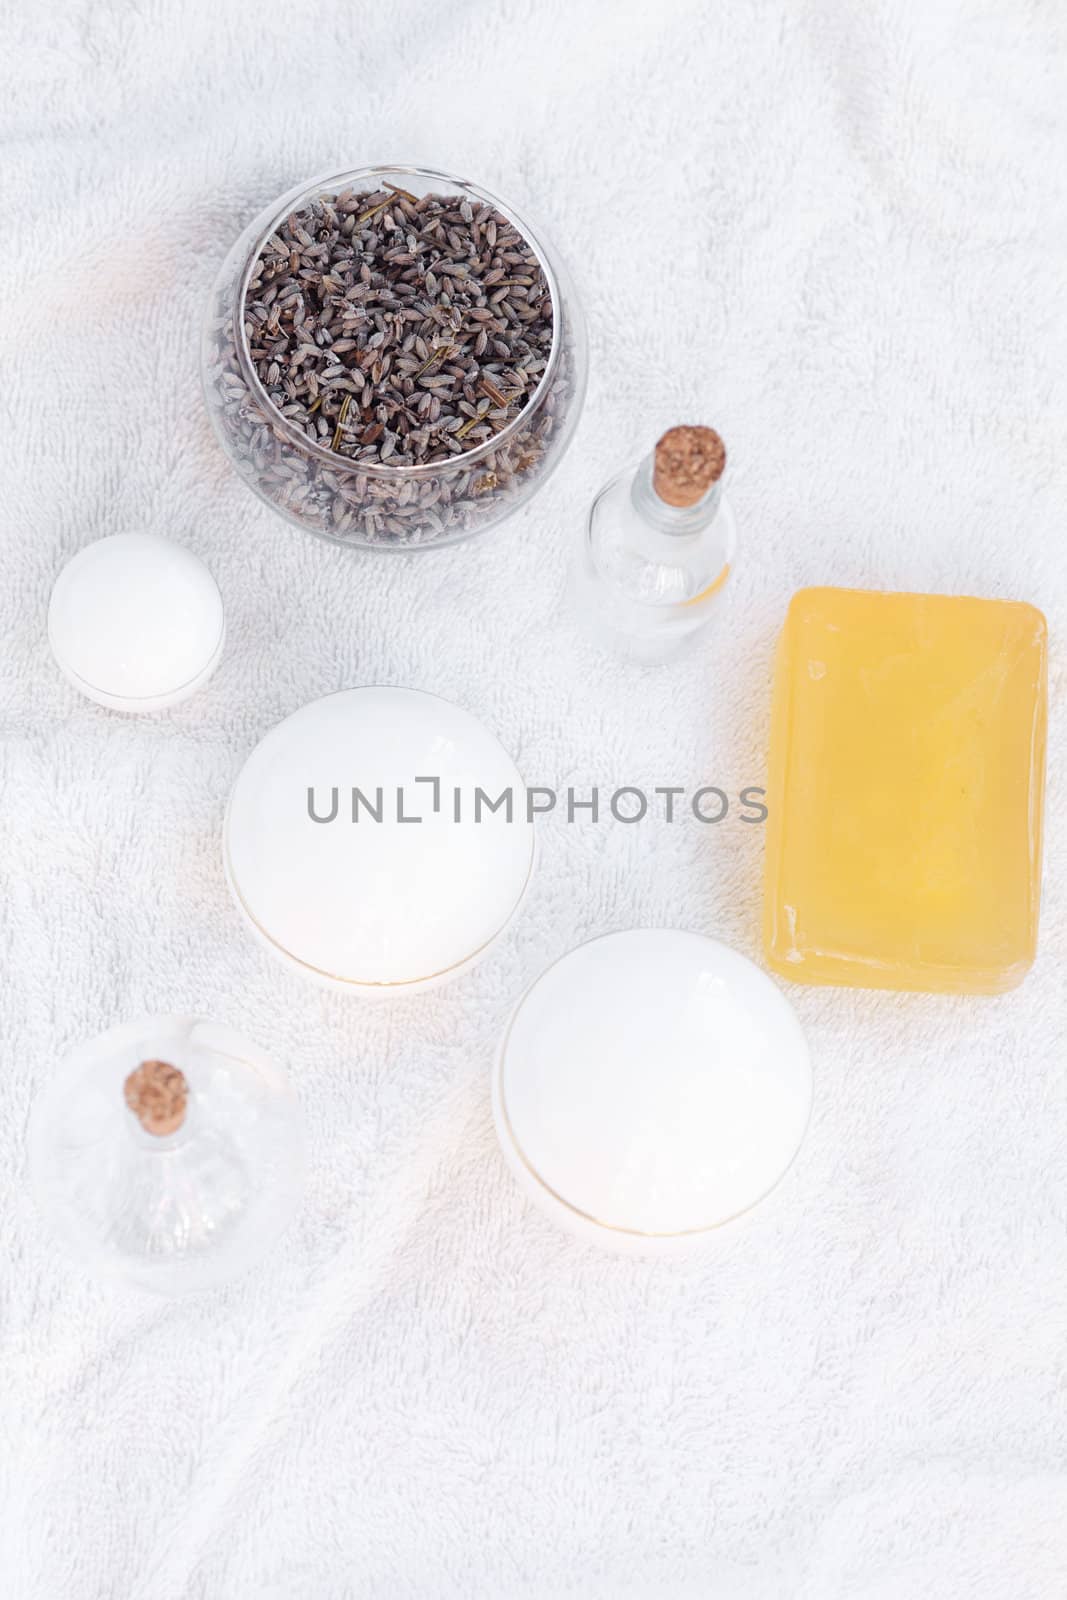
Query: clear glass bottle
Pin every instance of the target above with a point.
(168, 1153)
(659, 547)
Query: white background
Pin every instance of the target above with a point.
(835, 231)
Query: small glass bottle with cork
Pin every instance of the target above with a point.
(167, 1153)
(659, 547)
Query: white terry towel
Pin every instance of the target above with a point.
(837, 233)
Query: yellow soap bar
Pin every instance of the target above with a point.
(905, 791)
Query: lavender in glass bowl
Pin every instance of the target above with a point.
(392, 359)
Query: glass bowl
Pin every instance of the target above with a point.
(293, 467)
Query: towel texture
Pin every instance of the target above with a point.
(836, 233)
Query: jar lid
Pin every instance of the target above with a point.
(136, 622)
(379, 837)
(651, 1084)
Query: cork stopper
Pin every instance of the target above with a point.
(688, 462)
(157, 1094)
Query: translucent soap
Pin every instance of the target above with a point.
(905, 791)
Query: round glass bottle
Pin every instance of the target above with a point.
(168, 1153)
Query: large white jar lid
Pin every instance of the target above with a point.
(136, 622)
(651, 1086)
(363, 898)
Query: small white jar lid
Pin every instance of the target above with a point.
(651, 1086)
(378, 902)
(136, 622)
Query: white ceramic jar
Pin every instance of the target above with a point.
(136, 622)
(651, 1087)
(351, 857)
